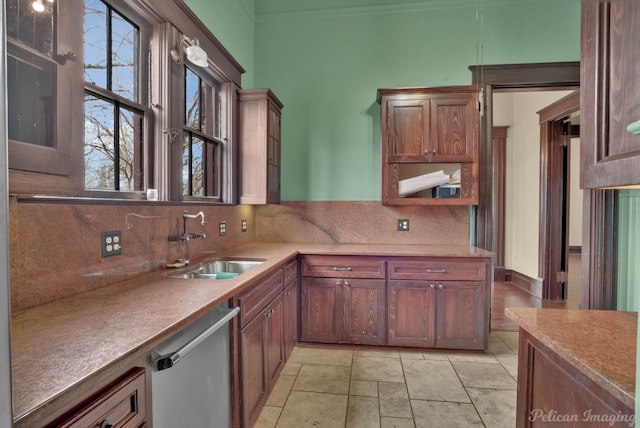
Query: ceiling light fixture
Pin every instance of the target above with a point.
(196, 54)
(38, 6)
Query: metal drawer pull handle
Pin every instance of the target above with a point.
(342, 268)
(167, 361)
(436, 270)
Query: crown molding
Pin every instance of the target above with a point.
(385, 9)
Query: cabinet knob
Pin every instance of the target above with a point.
(432, 285)
(440, 286)
(433, 151)
(338, 282)
(347, 283)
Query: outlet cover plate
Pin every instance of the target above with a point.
(243, 224)
(403, 224)
(111, 243)
(222, 228)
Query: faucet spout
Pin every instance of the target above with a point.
(185, 236)
(199, 214)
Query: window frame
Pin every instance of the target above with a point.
(145, 37)
(168, 24)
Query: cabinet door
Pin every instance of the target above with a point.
(321, 310)
(460, 309)
(255, 386)
(290, 318)
(454, 124)
(273, 155)
(275, 339)
(407, 127)
(364, 309)
(610, 93)
(412, 313)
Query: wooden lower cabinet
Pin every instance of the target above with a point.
(335, 310)
(290, 328)
(553, 392)
(461, 315)
(436, 314)
(122, 404)
(412, 313)
(261, 342)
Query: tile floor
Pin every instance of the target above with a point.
(351, 388)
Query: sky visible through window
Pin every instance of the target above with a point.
(111, 129)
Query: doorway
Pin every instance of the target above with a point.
(532, 190)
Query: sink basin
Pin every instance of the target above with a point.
(220, 268)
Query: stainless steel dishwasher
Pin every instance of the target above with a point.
(191, 383)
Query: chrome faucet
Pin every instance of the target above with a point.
(185, 236)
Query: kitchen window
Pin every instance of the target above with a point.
(103, 102)
(114, 111)
(202, 145)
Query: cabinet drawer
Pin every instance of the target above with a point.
(438, 269)
(122, 405)
(254, 300)
(343, 267)
(290, 272)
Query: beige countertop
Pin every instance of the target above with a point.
(600, 344)
(57, 346)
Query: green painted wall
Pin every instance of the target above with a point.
(233, 24)
(326, 65)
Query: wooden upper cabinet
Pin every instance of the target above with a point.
(407, 123)
(454, 125)
(610, 93)
(260, 145)
(425, 130)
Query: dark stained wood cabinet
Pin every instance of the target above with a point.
(412, 314)
(262, 353)
(259, 113)
(291, 295)
(122, 404)
(343, 299)
(426, 130)
(439, 302)
(461, 316)
(550, 385)
(610, 93)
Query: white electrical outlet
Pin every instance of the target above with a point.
(111, 243)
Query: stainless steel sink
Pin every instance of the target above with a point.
(220, 268)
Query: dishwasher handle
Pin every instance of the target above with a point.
(167, 361)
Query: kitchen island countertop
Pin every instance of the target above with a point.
(599, 344)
